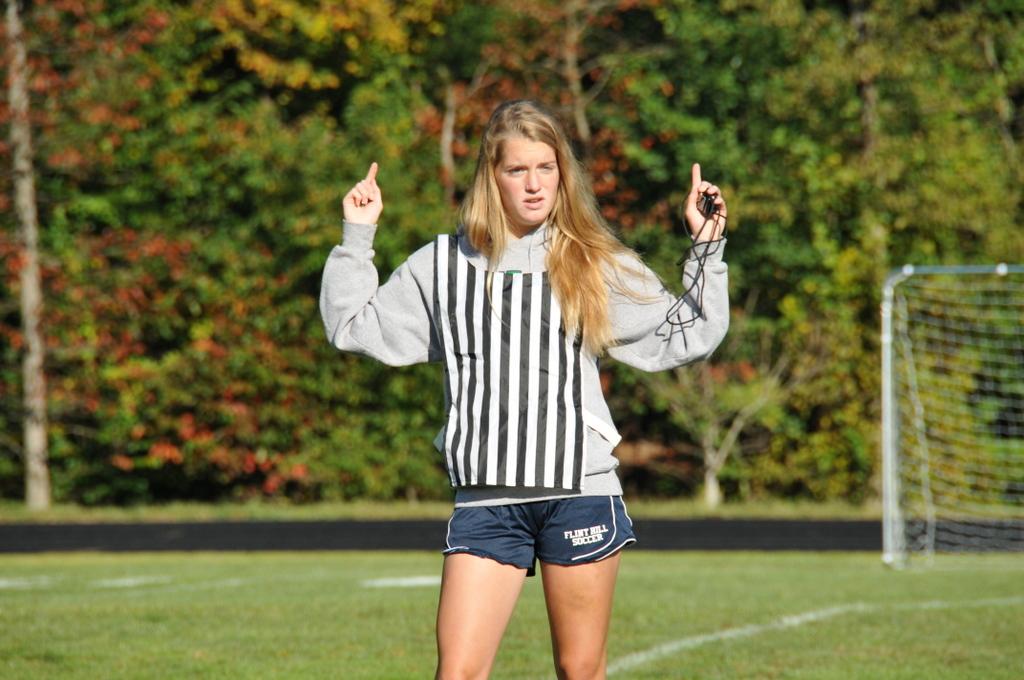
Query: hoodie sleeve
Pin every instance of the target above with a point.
(658, 330)
(393, 322)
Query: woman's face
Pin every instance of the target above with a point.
(528, 181)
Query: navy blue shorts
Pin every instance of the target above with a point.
(562, 531)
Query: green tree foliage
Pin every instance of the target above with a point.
(194, 155)
(843, 134)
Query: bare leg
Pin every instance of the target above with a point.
(477, 599)
(579, 600)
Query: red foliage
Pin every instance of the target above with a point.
(66, 159)
(100, 54)
(186, 426)
(122, 462)
(272, 483)
(744, 371)
(211, 347)
(165, 452)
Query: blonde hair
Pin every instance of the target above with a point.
(584, 255)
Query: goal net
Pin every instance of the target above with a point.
(953, 410)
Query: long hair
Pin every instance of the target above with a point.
(584, 255)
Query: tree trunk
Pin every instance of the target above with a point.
(712, 489)
(875, 236)
(37, 475)
(447, 140)
(866, 83)
(1003, 103)
(571, 40)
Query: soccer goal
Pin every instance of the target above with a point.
(952, 411)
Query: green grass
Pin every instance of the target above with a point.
(199, 512)
(771, 509)
(308, 615)
(642, 508)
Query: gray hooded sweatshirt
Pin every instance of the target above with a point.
(394, 324)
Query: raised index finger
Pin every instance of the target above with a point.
(695, 175)
(371, 175)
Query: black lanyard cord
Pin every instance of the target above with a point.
(708, 248)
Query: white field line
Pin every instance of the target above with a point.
(403, 582)
(128, 585)
(131, 581)
(1003, 565)
(948, 604)
(196, 585)
(635, 659)
(147, 585)
(25, 583)
(668, 648)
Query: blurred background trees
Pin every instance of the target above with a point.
(191, 157)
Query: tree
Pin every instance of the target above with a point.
(189, 158)
(37, 476)
(729, 404)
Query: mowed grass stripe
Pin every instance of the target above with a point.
(310, 615)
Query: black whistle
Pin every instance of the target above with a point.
(706, 205)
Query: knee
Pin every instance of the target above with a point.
(580, 666)
(452, 669)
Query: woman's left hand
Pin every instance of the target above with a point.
(703, 227)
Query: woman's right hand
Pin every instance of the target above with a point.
(362, 204)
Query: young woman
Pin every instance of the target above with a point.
(518, 305)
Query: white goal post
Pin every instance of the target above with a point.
(952, 410)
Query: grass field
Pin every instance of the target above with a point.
(677, 615)
(11, 511)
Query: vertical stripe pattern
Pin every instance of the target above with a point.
(512, 378)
